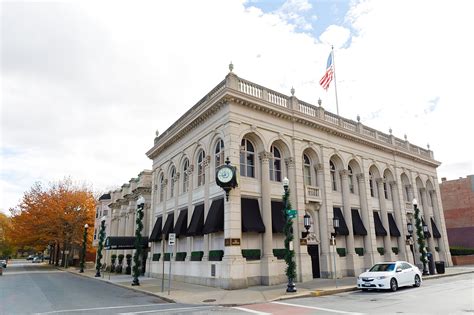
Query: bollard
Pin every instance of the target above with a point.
(1, 271)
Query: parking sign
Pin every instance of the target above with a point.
(171, 239)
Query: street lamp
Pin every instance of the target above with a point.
(138, 241)
(425, 230)
(335, 223)
(84, 242)
(410, 239)
(420, 233)
(307, 224)
(291, 265)
(100, 246)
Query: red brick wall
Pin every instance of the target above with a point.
(457, 197)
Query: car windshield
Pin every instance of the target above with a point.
(383, 267)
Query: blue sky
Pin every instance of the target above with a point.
(84, 87)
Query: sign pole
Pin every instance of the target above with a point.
(171, 241)
(163, 261)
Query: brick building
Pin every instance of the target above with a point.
(458, 203)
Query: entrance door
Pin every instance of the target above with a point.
(313, 251)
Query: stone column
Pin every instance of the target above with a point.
(324, 233)
(444, 252)
(427, 217)
(367, 219)
(387, 243)
(397, 210)
(348, 217)
(190, 209)
(207, 237)
(268, 259)
(291, 163)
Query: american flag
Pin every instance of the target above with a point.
(327, 78)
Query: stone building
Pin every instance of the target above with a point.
(335, 166)
(102, 211)
(458, 204)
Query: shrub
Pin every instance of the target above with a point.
(251, 254)
(461, 251)
(341, 252)
(167, 256)
(279, 253)
(437, 248)
(359, 251)
(216, 255)
(395, 250)
(197, 255)
(180, 256)
(381, 250)
(156, 257)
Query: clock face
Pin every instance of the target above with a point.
(224, 175)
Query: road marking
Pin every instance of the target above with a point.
(167, 310)
(316, 308)
(29, 272)
(98, 308)
(251, 311)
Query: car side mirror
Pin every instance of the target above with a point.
(399, 269)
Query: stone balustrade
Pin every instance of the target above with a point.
(312, 194)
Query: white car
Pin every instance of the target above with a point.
(390, 276)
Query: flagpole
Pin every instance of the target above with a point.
(335, 87)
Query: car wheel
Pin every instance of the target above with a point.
(365, 290)
(417, 281)
(393, 285)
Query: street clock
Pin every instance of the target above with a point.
(226, 177)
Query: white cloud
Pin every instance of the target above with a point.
(85, 87)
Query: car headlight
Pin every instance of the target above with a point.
(381, 277)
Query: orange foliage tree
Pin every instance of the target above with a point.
(53, 216)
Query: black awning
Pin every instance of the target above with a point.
(342, 229)
(197, 221)
(168, 227)
(181, 223)
(250, 214)
(357, 224)
(123, 242)
(392, 225)
(427, 234)
(278, 218)
(379, 229)
(436, 233)
(215, 217)
(156, 232)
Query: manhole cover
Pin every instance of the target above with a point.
(209, 300)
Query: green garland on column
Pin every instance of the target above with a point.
(99, 249)
(138, 244)
(290, 270)
(420, 236)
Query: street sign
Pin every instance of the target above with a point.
(171, 239)
(291, 213)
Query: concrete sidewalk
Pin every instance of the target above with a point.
(196, 294)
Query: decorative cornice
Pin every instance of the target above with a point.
(319, 167)
(290, 161)
(344, 173)
(265, 156)
(360, 177)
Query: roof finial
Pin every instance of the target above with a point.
(405, 137)
(231, 66)
(358, 118)
(428, 145)
(390, 130)
(292, 91)
(319, 102)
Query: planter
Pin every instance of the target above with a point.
(395, 250)
(128, 270)
(359, 251)
(341, 252)
(216, 255)
(279, 253)
(119, 268)
(180, 256)
(381, 250)
(251, 254)
(197, 255)
(112, 267)
(156, 257)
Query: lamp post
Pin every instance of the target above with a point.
(307, 224)
(289, 253)
(410, 238)
(138, 241)
(335, 223)
(100, 246)
(420, 237)
(84, 243)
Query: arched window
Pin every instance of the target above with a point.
(185, 176)
(385, 188)
(307, 170)
(351, 179)
(219, 153)
(201, 172)
(332, 169)
(371, 185)
(406, 195)
(173, 179)
(162, 187)
(247, 159)
(275, 164)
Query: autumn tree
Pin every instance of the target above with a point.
(53, 216)
(6, 247)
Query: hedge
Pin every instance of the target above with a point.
(341, 252)
(359, 251)
(279, 253)
(216, 255)
(197, 255)
(381, 250)
(251, 254)
(156, 257)
(180, 256)
(461, 251)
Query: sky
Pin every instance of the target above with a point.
(85, 85)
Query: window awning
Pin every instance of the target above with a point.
(379, 229)
(342, 229)
(215, 217)
(168, 227)
(278, 219)
(197, 221)
(392, 225)
(181, 223)
(123, 242)
(357, 224)
(427, 234)
(250, 214)
(156, 232)
(436, 233)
